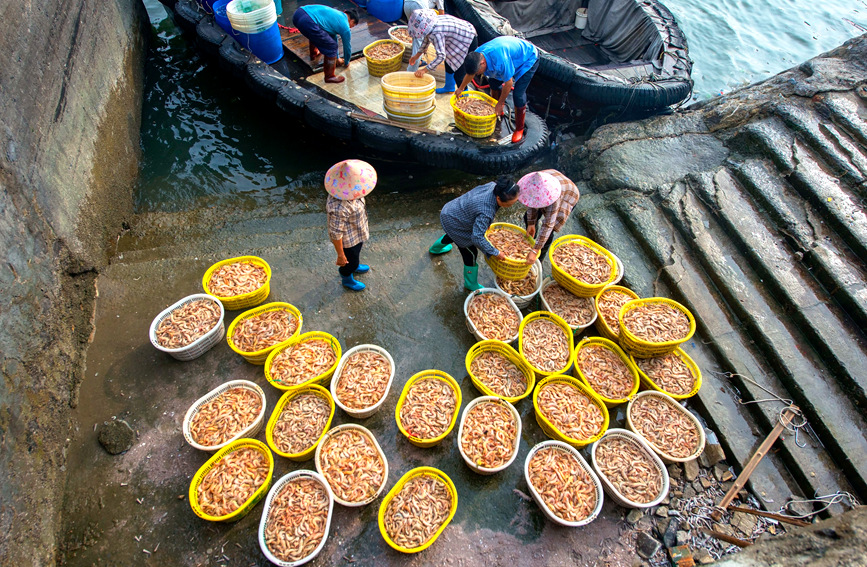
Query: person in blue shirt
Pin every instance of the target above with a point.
(321, 25)
(509, 62)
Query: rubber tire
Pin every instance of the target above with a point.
(234, 58)
(383, 137)
(292, 99)
(264, 81)
(189, 14)
(506, 159)
(445, 151)
(328, 118)
(211, 36)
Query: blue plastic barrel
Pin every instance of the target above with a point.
(222, 19)
(266, 45)
(385, 10)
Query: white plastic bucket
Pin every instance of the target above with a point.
(581, 18)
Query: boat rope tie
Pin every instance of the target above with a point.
(839, 497)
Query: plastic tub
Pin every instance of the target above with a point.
(641, 348)
(266, 45)
(576, 329)
(363, 431)
(422, 120)
(385, 10)
(611, 491)
(648, 382)
(472, 328)
(249, 431)
(307, 453)
(538, 498)
(569, 282)
(581, 18)
(260, 356)
(509, 269)
(244, 300)
(470, 124)
(456, 389)
(550, 429)
(404, 93)
(515, 445)
(323, 378)
(335, 381)
(523, 301)
(624, 358)
(199, 346)
(665, 457)
(222, 19)
(557, 320)
(382, 67)
(511, 355)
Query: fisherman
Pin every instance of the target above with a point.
(347, 182)
(509, 62)
(410, 6)
(321, 25)
(467, 218)
(549, 194)
(452, 38)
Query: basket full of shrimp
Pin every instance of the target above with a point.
(309, 358)
(524, 290)
(489, 434)
(239, 282)
(428, 407)
(228, 412)
(608, 304)
(546, 341)
(631, 474)
(581, 265)
(189, 328)
(569, 411)
(416, 511)
(497, 369)
(255, 333)
(578, 312)
(675, 374)
(608, 371)
(654, 326)
(563, 484)
(515, 243)
(670, 429)
(362, 380)
(491, 314)
(350, 459)
(299, 421)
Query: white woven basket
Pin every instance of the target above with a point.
(368, 411)
(472, 328)
(620, 269)
(523, 301)
(199, 346)
(666, 458)
(250, 431)
(595, 479)
(612, 492)
(272, 494)
(364, 431)
(515, 414)
(547, 307)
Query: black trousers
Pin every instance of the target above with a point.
(353, 255)
(544, 252)
(467, 254)
(460, 72)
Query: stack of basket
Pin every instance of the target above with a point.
(409, 99)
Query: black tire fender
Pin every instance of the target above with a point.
(383, 137)
(234, 58)
(292, 99)
(491, 160)
(329, 118)
(211, 36)
(442, 150)
(188, 14)
(263, 80)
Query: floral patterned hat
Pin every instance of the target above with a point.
(421, 22)
(538, 189)
(350, 179)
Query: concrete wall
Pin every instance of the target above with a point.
(70, 107)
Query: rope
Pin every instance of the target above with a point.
(828, 500)
(287, 28)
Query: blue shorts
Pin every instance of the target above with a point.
(314, 33)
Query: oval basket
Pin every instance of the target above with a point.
(245, 508)
(522, 301)
(249, 431)
(590, 472)
(611, 491)
(515, 414)
(368, 411)
(511, 355)
(471, 327)
(416, 472)
(509, 269)
(307, 453)
(648, 382)
(244, 300)
(199, 346)
(440, 375)
(612, 346)
(550, 430)
(380, 67)
(470, 124)
(402, 91)
(601, 325)
(576, 329)
(566, 331)
(260, 356)
(272, 494)
(321, 379)
(571, 283)
(407, 47)
(646, 349)
(363, 431)
(665, 457)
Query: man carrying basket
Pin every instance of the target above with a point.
(549, 194)
(467, 219)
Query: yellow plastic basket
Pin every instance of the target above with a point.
(510, 269)
(440, 375)
(471, 125)
(245, 508)
(648, 382)
(405, 94)
(560, 323)
(600, 323)
(549, 429)
(260, 356)
(306, 454)
(324, 378)
(489, 345)
(645, 349)
(380, 67)
(571, 283)
(414, 473)
(245, 299)
(612, 346)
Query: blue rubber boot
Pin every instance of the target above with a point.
(351, 283)
(471, 278)
(449, 86)
(362, 269)
(439, 248)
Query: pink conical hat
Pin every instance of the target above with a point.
(538, 189)
(350, 179)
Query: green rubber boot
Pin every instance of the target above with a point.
(439, 248)
(471, 278)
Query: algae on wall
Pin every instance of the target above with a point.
(70, 78)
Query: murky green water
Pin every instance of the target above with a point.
(207, 144)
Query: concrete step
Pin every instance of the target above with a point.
(846, 111)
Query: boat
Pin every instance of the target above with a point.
(352, 112)
(630, 56)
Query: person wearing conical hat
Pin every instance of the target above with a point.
(550, 195)
(347, 183)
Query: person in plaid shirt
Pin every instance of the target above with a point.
(452, 39)
(347, 183)
(550, 195)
